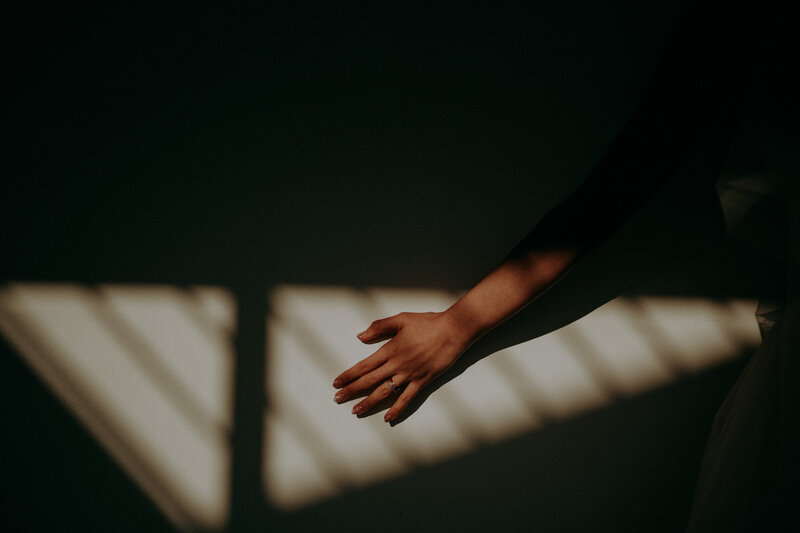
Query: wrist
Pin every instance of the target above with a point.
(463, 325)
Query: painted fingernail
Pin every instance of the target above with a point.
(357, 409)
(338, 398)
(337, 383)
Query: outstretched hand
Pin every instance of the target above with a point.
(421, 347)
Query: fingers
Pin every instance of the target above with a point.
(361, 368)
(403, 400)
(380, 330)
(370, 377)
(385, 391)
(381, 392)
(377, 331)
(367, 381)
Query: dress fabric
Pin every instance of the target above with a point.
(724, 97)
(750, 475)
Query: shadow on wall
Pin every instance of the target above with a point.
(171, 171)
(148, 370)
(169, 379)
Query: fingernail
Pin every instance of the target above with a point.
(360, 335)
(337, 398)
(357, 409)
(387, 417)
(337, 383)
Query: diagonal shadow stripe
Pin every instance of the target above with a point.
(191, 303)
(532, 397)
(89, 415)
(306, 337)
(656, 338)
(150, 362)
(305, 431)
(591, 360)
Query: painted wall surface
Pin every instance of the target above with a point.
(394, 149)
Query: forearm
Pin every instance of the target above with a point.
(694, 93)
(519, 280)
(697, 88)
(535, 264)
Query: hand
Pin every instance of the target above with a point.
(422, 346)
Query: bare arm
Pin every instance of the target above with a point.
(424, 345)
(696, 91)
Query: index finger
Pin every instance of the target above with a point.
(359, 369)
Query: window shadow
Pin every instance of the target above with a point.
(251, 149)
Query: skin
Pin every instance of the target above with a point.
(694, 94)
(422, 346)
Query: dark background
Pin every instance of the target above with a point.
(396, 145)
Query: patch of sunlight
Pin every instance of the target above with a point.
(311, 338)
(621, 352)
(147, 370)
(682, 328)
(317, 449)
(556, 384)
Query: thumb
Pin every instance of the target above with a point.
(380, 330)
